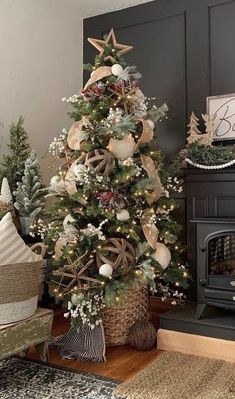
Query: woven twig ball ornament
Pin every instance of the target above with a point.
(100, 161)
(119, 253)
(142, 335)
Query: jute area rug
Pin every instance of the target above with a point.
(175, 375)
(23, 379)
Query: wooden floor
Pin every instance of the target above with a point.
(122, 361)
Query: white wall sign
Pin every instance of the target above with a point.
(223, 107)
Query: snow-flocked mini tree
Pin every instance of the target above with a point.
(30, 193)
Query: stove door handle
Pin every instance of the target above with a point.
(202, 248)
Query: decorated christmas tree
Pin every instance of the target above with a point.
(12, 166)
(110, 226)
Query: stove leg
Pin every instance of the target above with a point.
(199, 311)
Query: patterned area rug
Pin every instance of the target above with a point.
(23, 379)
(175, 375)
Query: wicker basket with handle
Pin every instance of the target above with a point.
(19, 289)
(118, 319)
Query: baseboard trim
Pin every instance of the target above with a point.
(197, 345)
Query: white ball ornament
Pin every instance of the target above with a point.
(106, 270)
(124, 148)
(117, 70)
(162, 255)
(123, 215)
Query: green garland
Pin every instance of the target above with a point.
(208, 155)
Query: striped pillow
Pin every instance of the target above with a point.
(12, 247)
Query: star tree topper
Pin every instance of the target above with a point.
(111, 38)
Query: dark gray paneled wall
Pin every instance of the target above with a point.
(185, 50)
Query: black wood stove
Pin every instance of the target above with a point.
(215, 263)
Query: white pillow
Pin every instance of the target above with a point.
(12, 247)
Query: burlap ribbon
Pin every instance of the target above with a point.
(149, 229)
(70, 181)
(63, 241)
(73, 141)
(98, 74)
(147, 133)
(147, 162)
(149, 166)
(60, 244)
(150, 232)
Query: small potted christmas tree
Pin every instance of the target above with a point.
(12, 165)
(30, 193)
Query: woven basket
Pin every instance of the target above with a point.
(19, 288)
(40, 249)
(118, 319)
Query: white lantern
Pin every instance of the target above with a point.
(117, 70)
(106, 270)
(162, 255)
(124, 148)
(123, 215)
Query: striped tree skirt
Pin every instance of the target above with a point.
(84, 344)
